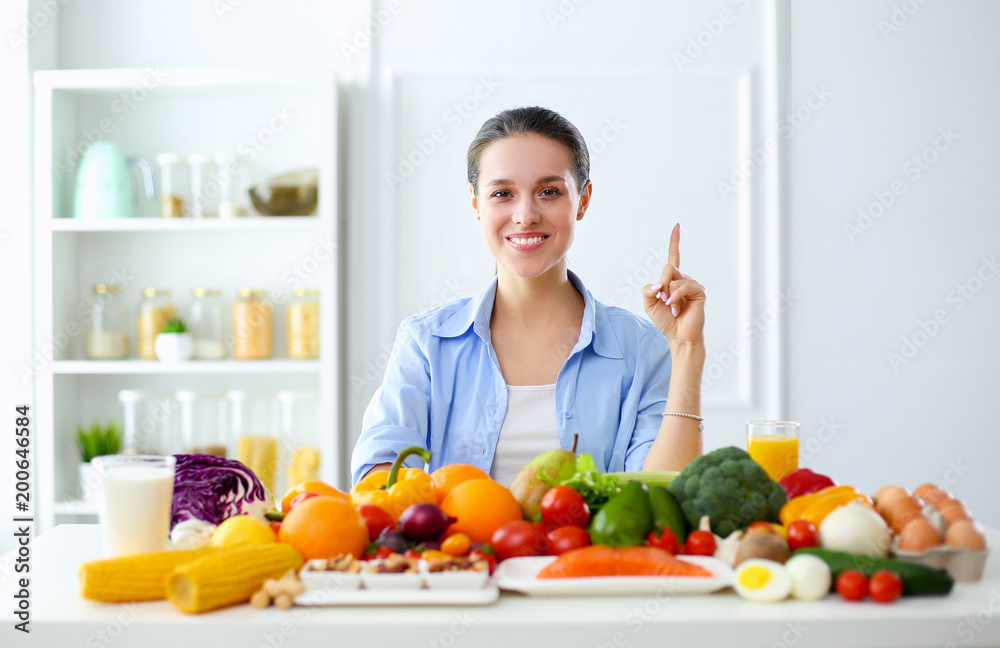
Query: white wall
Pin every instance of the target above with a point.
(854, 300)
(932, 416)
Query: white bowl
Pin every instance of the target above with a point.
(465, 579)
(318, 578)
(412, 581)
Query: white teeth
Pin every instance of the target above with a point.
(524, 242)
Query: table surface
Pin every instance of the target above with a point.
(59, 617)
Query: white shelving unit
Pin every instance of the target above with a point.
(281, 120)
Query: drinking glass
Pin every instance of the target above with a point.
(136, 497)
(774, 445)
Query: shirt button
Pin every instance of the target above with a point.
(568, 415)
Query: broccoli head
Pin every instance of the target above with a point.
(730, 488)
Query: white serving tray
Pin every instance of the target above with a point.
(322, 597)
(518, 575)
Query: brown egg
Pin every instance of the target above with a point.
(964, 534)
(887, 496)
(931, 493)
(954, 513)
(902, 513)
(948, 501)
(919, 535)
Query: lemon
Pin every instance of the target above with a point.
(242, 531)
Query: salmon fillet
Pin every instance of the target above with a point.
(598, 560)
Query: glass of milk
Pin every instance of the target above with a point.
(137, 493)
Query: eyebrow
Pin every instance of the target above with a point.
(505, 181)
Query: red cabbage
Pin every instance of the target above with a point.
(211, 489)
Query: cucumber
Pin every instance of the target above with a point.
(917, 579)
(667, 512)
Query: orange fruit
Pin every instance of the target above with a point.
(312, 486)
(448, 477)
(481, 506)
(324, 527)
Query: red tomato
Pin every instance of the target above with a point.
(665, 539)
(852, 585)
(301, 497)
(802, 533)
(565, 538)
(485, 552)
(885, 586)
(701, 543)
(563, 506)
(519, 538)
(376, 519)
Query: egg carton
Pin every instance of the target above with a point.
(964, 565)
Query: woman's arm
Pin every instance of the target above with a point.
(679, 439)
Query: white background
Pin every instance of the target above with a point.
(889, 92)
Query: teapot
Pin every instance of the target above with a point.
(104, 182)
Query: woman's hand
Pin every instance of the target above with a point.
(676, 304)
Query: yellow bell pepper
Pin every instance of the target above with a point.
(822, 507)
(399, 488)
(793, 509)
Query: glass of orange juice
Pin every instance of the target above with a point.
(774, 445)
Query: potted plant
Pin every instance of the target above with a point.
(98, 440)
(174, 343)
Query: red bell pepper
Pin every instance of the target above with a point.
(804, 482)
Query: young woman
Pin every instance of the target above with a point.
(496, 379)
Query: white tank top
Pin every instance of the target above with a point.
(528, 429)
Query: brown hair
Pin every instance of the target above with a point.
(530, 120)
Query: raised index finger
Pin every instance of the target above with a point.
(674, 251)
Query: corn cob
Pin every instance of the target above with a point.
(142, 577)
(229, 577)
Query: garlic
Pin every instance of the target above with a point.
(191, 534)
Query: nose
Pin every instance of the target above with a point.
(526, 212)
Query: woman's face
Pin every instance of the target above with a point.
(528, 203)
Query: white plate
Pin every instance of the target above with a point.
(518, 575)
(319, 597)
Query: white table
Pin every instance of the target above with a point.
(61, 618)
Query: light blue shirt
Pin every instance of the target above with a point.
(443, 389)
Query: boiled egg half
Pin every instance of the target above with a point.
(762, 581)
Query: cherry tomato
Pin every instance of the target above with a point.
(301, 497)
(762, 526)
(457, 544)
(486, 553)
(665, 539)
(563, 506)
(376, 519)
(802, 533)
(852, 585)
(701, 543)
(885, 586)
(518, 538)
(413, 553)
(565, 538)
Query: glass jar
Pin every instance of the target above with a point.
(300, 454)
(204, 186)
(107, 339)
(252, 325)
(156, 309)
(149, 422)
(206, 324)
(203, 422)
(303, 324)
(174, 184)
(230, 177)
(255, 424)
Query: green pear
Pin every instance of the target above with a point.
(528, 488)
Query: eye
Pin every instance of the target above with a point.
(551, 191)
(500, 193)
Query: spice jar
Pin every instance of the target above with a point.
(107, 339)
(174, 184)
(206, 324)
(155, 311)
(303, 324)
(204, 186)
(232, 202)
(251, 325)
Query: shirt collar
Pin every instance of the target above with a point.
(476, 312)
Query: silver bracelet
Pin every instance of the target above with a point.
(700, 419)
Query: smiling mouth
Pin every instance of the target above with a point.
(526, 242)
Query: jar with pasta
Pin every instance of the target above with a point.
(300, 439)
(252, 315)
(255, 422)
(303, 324)
(107, 339)
(156, 309)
